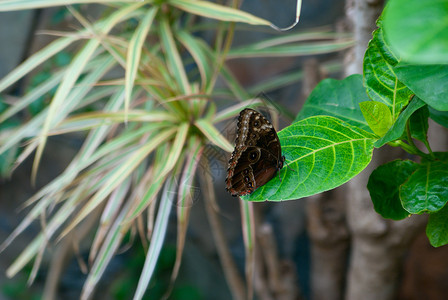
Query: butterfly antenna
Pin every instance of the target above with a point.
(298, 8)
(292, 170)
(289, 166)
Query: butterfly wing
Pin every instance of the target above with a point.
(254, 168)
(257, 155)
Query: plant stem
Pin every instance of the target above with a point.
(411, 149)
(412, 144)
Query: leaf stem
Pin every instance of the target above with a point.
(412, 144)
(411, 149)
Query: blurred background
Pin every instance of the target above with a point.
(305, 246)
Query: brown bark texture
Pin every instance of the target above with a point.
(329, 243)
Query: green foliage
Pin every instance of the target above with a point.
(427, 82)
(418, 125)
(404, 91)
(437, 228)
(380, 79)
(422, 187)
(389, 177)
(398, 128)
(337, 98)
(17, 288)
(417, 30)
(321, 152)
(426, 189)
(377, 115)
(438, 116)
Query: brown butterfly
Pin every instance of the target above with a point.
(257, 155)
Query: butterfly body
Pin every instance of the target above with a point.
(257, 155)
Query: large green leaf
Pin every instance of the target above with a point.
(397, 129)
(337, 98)
(418, 30)
(384, 184)
(322, 152)
(379, 77)
(428, 82)
(426, 189)
(437, 228)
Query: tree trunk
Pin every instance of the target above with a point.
(378, 245)
(362, 16)
(329, 243)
